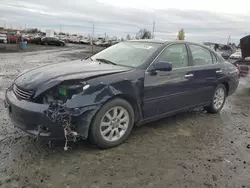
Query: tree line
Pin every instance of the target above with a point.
(146, 34)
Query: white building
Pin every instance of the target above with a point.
(50, 33)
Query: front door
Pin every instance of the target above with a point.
(169, 91)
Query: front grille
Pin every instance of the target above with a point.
(23, 94)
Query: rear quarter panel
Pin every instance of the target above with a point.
(231, 77)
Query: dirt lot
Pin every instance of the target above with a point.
(192, 150)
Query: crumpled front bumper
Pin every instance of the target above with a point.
(30, 117)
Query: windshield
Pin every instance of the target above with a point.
(131, 54)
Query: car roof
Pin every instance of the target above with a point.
(150, 41)
(166, 42)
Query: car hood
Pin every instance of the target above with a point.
(59, 72)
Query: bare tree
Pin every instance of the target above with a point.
(181, 35)
(143, 34)
(128, 37)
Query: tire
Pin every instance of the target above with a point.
(96, 129)
(46, 44)
(216, 107)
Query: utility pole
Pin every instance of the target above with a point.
(153, 30)
(228, 39)
(93, 32)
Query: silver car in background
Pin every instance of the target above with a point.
(3, 38)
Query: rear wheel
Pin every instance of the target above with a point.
(112, 124)
(219, 99)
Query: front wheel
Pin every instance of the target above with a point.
(219, 99)
(112, 124)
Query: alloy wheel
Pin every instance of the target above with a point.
(114, 124)
(219, 98)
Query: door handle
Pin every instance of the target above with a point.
(219, 71)
(189, 75)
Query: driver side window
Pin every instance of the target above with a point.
(175, 54)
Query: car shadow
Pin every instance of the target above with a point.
(165, 124)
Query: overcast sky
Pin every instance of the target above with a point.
(212, 20)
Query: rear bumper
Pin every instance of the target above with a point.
(30, 118)
(233, 85)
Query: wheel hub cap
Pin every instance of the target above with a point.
(114, 124)
(219, 98)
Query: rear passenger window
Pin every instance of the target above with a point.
(175, 54)
(201, 56)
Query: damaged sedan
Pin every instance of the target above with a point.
(131, 83)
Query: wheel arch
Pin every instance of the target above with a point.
(226, 84)
(135, 105)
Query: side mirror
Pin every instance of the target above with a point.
(163, 66)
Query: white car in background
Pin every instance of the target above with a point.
(3, 38)
(236, 55)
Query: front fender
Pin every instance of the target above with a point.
(82, 107)
(91, 100)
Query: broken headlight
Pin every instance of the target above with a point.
(69, 90)
(63, 92)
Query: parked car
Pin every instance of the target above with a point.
(36, 40)
(3, 38)
(52, 41)
(130, 83)
(85, 41)
(236, 55)
(106, 44)
(75, 41)
(98, 43)
(12, 38)
(225, 51)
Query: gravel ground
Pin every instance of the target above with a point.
(192, 149)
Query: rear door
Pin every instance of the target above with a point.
(207, 72)
(169, 91)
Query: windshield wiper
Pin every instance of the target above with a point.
(106, 61)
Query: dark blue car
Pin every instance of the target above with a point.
(130, 83)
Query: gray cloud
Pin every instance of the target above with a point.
(78, 16)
